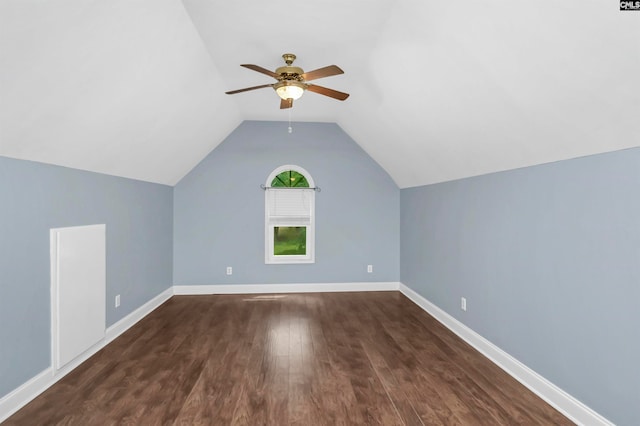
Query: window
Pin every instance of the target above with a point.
(289, 216)
(290, 179)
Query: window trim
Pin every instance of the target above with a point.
(269, 225)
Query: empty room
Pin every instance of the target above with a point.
(318, 213)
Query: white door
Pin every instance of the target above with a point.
(78, 290)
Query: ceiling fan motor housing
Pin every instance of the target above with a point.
(290, 73)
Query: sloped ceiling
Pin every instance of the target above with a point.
(439, 90)
(114, 86)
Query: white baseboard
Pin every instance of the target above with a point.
(573, 409)
(21, 396)
(130, 320)
(284, 288)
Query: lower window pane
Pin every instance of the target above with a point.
(289, 240)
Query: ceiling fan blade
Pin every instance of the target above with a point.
(260, 69)
(246, 89)
(322, 72)
(286, 103)
(341, 96)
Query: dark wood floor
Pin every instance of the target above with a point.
(308, 359)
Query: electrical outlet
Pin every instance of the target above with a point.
(463, 303)
(229, 270)
(369, 268)
(117, 301)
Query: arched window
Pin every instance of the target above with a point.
(290, 179)
(289, 216)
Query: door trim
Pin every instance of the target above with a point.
(54, 247)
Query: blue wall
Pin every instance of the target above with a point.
(219, 209)
(35, 197)
(548, 258)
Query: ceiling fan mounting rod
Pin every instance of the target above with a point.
(289, 58)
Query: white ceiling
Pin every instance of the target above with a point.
(439, 90)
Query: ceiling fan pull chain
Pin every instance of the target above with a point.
(290, 128)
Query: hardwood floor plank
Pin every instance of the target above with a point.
(395, 391)
(295, 359)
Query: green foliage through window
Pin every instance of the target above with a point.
(289, 240)
(290, 179)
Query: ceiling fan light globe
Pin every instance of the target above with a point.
(289, 89)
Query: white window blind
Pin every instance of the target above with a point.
(290, 205)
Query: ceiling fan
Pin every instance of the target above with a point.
(292, 81)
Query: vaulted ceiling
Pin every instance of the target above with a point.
(440, 90)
